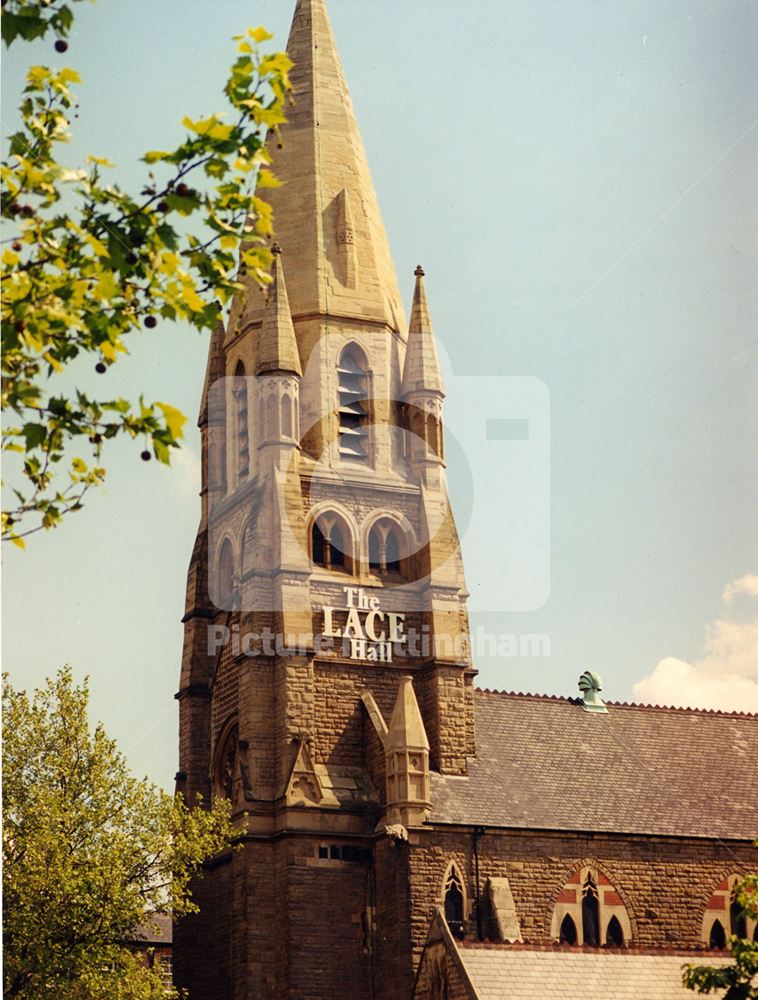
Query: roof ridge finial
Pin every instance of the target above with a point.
(276, 249)
(419, 272)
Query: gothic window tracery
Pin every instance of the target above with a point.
(589, 911)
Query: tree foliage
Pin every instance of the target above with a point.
(89, 852)
(739, 979)
(87, 263)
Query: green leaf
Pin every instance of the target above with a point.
(35, 434)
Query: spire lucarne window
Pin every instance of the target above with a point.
(353, 413)
(243, 434)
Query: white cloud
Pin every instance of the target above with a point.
(184, 471)
(724, 677)
(747, 584)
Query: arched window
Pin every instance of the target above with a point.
(385, 547)
(722, 907)
(224, 584)
(590, 908)
(353, 406)
(737, 920)
(568, 931)
(717, 937)
(287, 430)
(454, 902)
(226, 770)
(330, 543)
(590, 912)
(614, 935)
(242, 428)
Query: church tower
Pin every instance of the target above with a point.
(325, 591)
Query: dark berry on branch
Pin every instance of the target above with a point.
(162, 206)
(100, 367)
(145, 456)
(26, 211)
(182, 190)
(131, 258)
(16, 245)
(61, 46)
(150, 322)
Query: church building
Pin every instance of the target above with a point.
(402, 833)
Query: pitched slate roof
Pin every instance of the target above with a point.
(544, 763)
(504, 974)
(157, 929)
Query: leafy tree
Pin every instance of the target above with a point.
(87, 263)
(89, 852)
(740, 977)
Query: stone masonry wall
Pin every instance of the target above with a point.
(665, 884)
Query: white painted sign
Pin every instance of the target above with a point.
(371, 633)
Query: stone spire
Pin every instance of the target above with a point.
(326, 212)
(214, 369)
(277, 347)
(406, 749)
(421, 373)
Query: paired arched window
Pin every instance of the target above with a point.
(352, 378)
(454, 900)
(241, 421)
(331, 542)
(385, 547)
(589, 911)
(332, 545)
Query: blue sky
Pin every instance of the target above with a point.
(578, 180)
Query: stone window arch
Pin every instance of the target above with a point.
(568, 933)
(454, 900)
(387, 548)
(331, 542)
(353, 404)
(723, 916)
(717, 936)
(224, 578)
(226, 769)
(589, 911)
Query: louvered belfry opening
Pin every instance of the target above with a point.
(353, 407)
